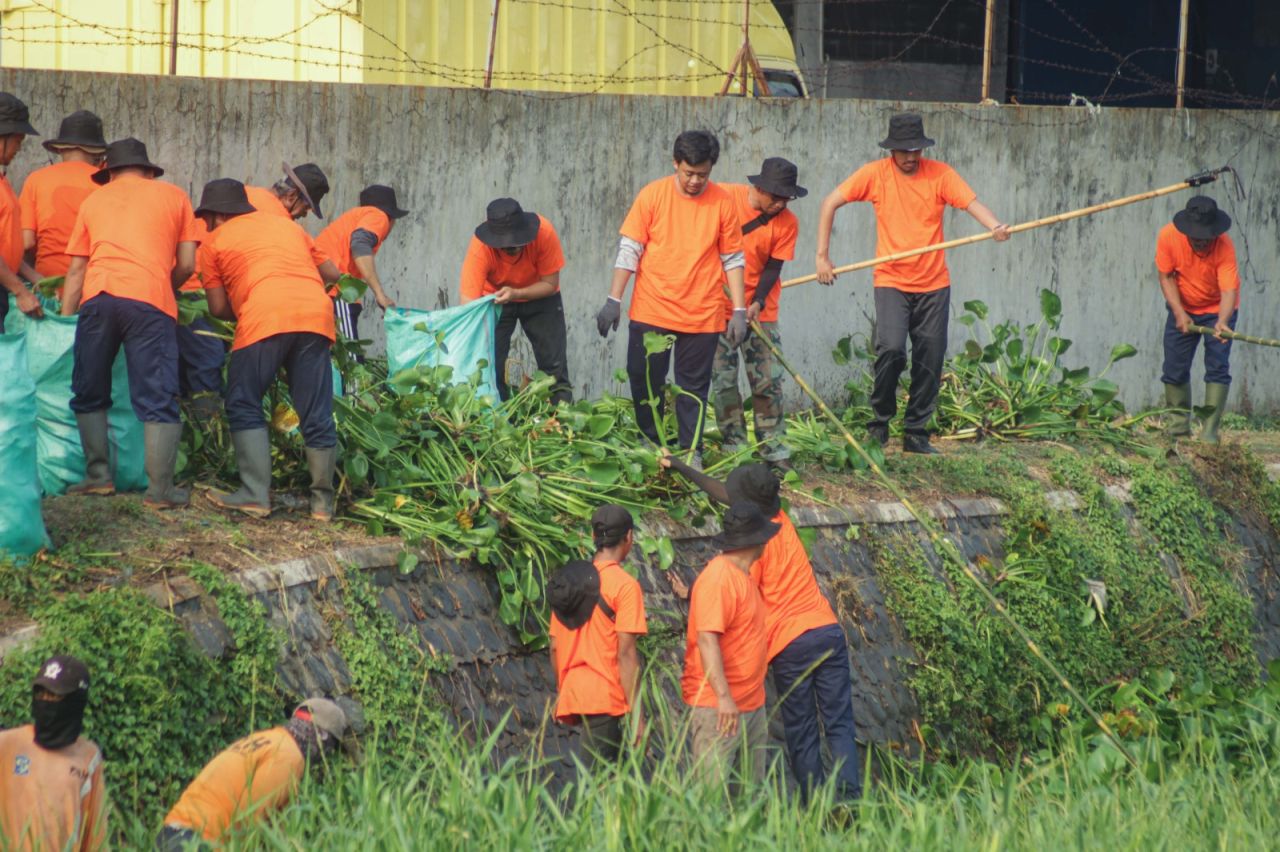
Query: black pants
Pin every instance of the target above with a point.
(1180, 352)
(695, 355)
(305, 358)
(599, 740)
(922, 317)
(543, 324)
(150, 340)
(200, 359)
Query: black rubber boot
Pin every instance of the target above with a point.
(161, 443)
(97, 455)
(918, 442)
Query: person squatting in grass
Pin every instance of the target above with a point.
(597, 614)
(912, 296)
(769, 232)
(352, 241)
(261, 270)
(1201, 285)
(807, 649)
(15, 127)
(516, 256)
(52, 794)
(681, 240)
(133, 245)
(253, 777)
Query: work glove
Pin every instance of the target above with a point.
(737, 332)
(609, 316)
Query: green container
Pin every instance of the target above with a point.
(22, 530)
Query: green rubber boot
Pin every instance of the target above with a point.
(1178, 397)
(160, 443)
(253, 458)
(97, 455)
(321, 464)
(1215, 395)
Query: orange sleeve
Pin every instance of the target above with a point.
(1166, 260)
(955, 191)
(784, 244)
(93, 833)
(375, 222)
(630, 609)
(858, 186)
(1228, 269)
(317, 257)
(78, 243)
(475, 270)
(636, 225)
(207, 266)
(710, 610)
(550, 254)
(730, 228)
(190, 232)
(27, 205)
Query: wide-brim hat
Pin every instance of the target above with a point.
(310, 182)
(778, 177)
(325, 715)
(755, 483)
(906, 133)
(224, 195)
(62, 675)
(124, 153)
(573, 592)
(81, 129)
(1201, 219)
(506, 225)
(384, 198)
(14, 116)
(745, 526)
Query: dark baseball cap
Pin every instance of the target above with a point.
(62, 675)
(610, 524)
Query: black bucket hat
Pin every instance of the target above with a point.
(755, 483)
(506, 225)
(310, 182)
(224, 195)
(610, 524)
(14, 116)
(573, 592)
(1201, 219)
(382, 197)
(123, 153)
(81, 129)
(778, 177)
(906, 133)
(62, 675)
(745, 526)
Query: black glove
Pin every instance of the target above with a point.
(737, 332)
(609, 316)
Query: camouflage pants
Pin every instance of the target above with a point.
(764, 375)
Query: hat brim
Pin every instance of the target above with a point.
(1196, 231)
(302, 190)
(753, 539)
(55, 145)
(918, 143)
(52, 686)
(10, 127)
(793, 191)
(103, 175)
(232, 209)
(392, 212)
(526, 233)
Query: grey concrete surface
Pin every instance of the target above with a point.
(580, 160)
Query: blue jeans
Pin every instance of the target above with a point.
(812, 678)
(1180, 351)
(305, 358)
(150, 341)
(200, 359)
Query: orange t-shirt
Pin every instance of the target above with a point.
(267, 265)
(725, 601)
(50, 199)
(192, 284)
(50, 799)
(335, 241)
(777, 239)
(487, 270)
(909, 216)
(1201, 280)
(10, 227)
(586, 660)
(680, 277)
(247, 780)
(793, 602)
(130, 230)
(266, 201)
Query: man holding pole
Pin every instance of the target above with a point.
(912, 295)
(1201, 284)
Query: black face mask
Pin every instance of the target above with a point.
(58, 723)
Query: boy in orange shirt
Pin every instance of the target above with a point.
(1201, 285)
(51, 196)
(912, 296)
(597, 614)
(517, 256)
(682, 240)
(352, 241)
(725, 656)
(52, 795)
(132, 246)
(14, 271)
(260, 269)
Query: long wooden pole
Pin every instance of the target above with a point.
(986, 51)
(1197, 180)
(1232, 335)
(493, 40)
(1182, 53)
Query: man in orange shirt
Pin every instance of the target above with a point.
(1201, 284)
(14, 272)
(912, 296)
(353, 240)
(51, 196)
(253, 777)
(299, 192)
(52, 795)
(132, 246)
(681, 239)
(769, 232)
(808, 650)
(597, 614)
(517, 256)
(260, 269)
(725, 656)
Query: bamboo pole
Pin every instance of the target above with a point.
(1196, 180)
(493, 40)
(945, 547)
(1182, 53)
(1232, 335)
(986, 51)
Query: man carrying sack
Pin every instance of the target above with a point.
(51, 196)
(769, 232)
(132, 247)
(352, 241)
(912, 296)
(14, 272)
(516, 256)
(260, 269)
(1201, 285)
